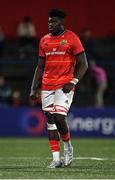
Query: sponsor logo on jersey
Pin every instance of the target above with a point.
(56, 53)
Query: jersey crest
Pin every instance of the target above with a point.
(63, 42)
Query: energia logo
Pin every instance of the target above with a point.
(101, 125)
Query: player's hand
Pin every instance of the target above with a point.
(35, 96)
(32, 95)
(68, 87)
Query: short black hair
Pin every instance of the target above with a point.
(57, 13)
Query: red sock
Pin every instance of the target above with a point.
(65, 137)
(54, 145)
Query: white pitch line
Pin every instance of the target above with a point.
(75, 158)
(93, 158)
(20, 158)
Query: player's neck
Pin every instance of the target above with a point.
(62, 31)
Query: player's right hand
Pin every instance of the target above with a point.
(35, 96)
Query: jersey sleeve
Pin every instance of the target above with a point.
(76, 45)
(41, 51)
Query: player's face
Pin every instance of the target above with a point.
(55, 25)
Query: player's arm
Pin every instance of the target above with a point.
(37, 78)
(80, 69)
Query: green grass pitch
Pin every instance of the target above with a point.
(28, 159)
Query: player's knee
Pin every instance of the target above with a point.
(60, 121)
(49, 118)
(50, 121)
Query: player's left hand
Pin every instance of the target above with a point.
(68, 87)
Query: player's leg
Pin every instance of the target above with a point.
(54, 139)
(62, 104)
(63, 129)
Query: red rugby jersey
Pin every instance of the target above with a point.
(59, 52)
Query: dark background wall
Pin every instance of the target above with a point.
(99, 15)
